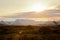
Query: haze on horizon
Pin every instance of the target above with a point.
(10, 9)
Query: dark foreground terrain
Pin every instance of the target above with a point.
(29, 32)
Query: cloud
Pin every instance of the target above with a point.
(57, 7)
(44, 14)
(53, 13)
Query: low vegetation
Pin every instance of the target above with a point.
(29, 32)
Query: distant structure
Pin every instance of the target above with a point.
(55, 22)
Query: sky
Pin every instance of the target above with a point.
(13, 8)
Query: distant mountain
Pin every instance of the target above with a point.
(2, 22)
(28, 22)
(19, 22)
(24, 21)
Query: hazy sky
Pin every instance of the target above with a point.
(14, 7)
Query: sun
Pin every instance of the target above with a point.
(38, 7)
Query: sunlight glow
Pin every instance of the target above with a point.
(38, 7)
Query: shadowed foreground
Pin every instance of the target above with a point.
(29, 32)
